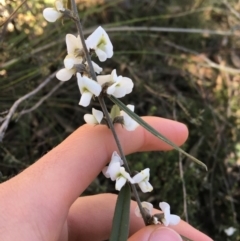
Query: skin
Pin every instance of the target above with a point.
(42, 203)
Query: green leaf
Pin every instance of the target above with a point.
(153, 131)
(115, 111)
(120, 228)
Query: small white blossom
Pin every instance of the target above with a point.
(88, 88)
(52, 14)
(128, 123)
(96, 68)
(74, 57)
(119, 85)
(100, 43)
(116, 172)
(148, 207)
(74, 46)
(95, 118)
(230, 231)
(169, 219)
(142, 179)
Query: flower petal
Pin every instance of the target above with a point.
(59, 5)
(148, 207)
(73, 44)
(120, 182)
(65, 74)
(127, 84)
(98, 115)
(85, 99)
(125, 174)
(230, 231)
(69, 62)
(102, 79)
(108, 49)
(105, 173)
(145, 186)
(113, 170)
(96, 68)
(51, 14)
(101, 55)
(174, 219)
(90, 119)
(114, 75)
(85, 84)
(131, 126)
(100, 42)
(111, 89)
(116, 158)
(164, 206)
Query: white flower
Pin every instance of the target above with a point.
(116, 172)
(119, 86)
(67, 72)
(169, 219)
(142, 179)
(52, 14)
(100, 42)
(230, 231)
(128, 123)
(88, 88)
(148, 207)
(95, 118)
(74, 46)
(74, 57)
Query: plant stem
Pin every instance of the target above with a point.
(103, 105)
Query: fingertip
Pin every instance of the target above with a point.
(155, 233)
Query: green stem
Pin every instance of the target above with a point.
(103, 105)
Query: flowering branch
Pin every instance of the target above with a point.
(103, 105)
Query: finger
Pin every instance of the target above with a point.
(96, 213)
(68, 169)
(155, 233)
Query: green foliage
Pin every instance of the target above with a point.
(120, 227)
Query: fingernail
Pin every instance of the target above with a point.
(165, 234)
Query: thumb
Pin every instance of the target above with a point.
(155, 233)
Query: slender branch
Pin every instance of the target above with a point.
(209, 62)
(12, 14)
(12, 110)
(105, 111)
(45, 97)
(231, 9)
(102, 103)
(183, 187)
(141, 29)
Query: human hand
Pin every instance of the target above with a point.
(42, 202)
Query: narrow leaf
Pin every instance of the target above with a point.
(120, 227)
(185, 238)
(153, 131)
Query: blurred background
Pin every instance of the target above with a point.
(184, 59)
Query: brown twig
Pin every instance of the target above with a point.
(12, 110)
